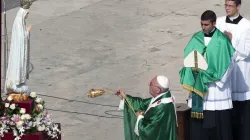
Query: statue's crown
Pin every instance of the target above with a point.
(25, 4)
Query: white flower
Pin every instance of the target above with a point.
(12, 106)
(21, 130)
(19, 124)
(55, 136)
(33, 94)
(3, 130)
(27, 116)
(37, 122)
(7, 105)
(49, 133)
(23, 110)
(40, 106)
(55, 128)
(34, 124)
(23, 117)
(41, 127)
(15, 132)
(10, 98)
(38, 100)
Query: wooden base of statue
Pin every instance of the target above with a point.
(183, 115)
(34, 136)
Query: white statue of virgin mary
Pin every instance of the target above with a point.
(18, 64)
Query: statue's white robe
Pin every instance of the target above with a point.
(18, 65)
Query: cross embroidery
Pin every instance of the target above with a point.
(158, 102)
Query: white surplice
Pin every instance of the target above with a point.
(18, 70)
(219, 93)
(241, 43)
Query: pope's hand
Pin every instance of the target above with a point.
(120, 93)
(28, 28)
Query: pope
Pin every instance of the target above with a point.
(151, 118)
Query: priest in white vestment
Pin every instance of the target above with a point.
(238, 30)
(18, 64)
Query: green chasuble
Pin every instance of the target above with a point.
(217, 54)
(159, 122)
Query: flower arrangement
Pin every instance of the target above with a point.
(16, 119)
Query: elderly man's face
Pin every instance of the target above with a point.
(154, 90)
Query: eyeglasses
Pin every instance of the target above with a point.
(230, 6)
